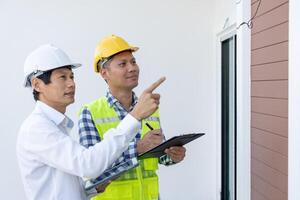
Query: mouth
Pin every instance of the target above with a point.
(132, 77)
(69, 94)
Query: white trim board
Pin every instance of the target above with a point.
(227, 33)
(243, 102)
(294, 101)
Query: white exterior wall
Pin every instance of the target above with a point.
(176, 39)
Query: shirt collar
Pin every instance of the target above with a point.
(113, 101)
(55, 116)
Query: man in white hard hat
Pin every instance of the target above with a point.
(51, 163)
(116, 64)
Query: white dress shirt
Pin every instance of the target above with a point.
(51, 162)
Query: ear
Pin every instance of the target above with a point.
(104, 73)
(36, 84)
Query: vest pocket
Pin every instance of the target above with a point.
(150, 164)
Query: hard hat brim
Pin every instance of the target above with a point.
(27, 81)
(134, 49)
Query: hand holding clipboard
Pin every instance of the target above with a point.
(159, 150)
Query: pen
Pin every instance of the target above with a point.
(150, 127)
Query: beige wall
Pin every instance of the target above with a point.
(269, 101)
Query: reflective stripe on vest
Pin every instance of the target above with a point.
(140, 183)
(116, 119)
(151, 118)
(106, 120)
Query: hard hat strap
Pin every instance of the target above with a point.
(37, 73)
(102, 62)
(33, 75)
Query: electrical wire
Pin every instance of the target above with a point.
(238, 2)
(249, 23)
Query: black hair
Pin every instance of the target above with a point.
(46, 78)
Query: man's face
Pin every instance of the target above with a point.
(60, 92)
(122, 71)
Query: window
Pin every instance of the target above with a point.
(228, 119)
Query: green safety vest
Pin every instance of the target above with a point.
(140, 183)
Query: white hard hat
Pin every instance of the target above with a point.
(45, 58)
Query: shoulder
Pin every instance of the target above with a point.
(98, 103)
(36, 128)
(84, 113)
(36, 121)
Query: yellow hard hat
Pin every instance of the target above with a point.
(110, 46)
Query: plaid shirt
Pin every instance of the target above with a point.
(89, 136)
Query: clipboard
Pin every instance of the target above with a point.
(180, 140)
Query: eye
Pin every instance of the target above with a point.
(63, 77)
(133, 62)
(122, 64)
(72, 77)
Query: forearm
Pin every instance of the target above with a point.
(89, 136)
(115, 142)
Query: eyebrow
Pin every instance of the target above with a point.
(131, 59)
(63, 72)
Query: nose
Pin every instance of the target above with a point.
(71, 82)
(132, 67)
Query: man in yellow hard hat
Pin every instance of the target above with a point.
(115, 63)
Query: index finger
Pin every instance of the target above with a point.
(157, 132)
(155, 85)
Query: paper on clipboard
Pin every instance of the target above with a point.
(181, 140)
